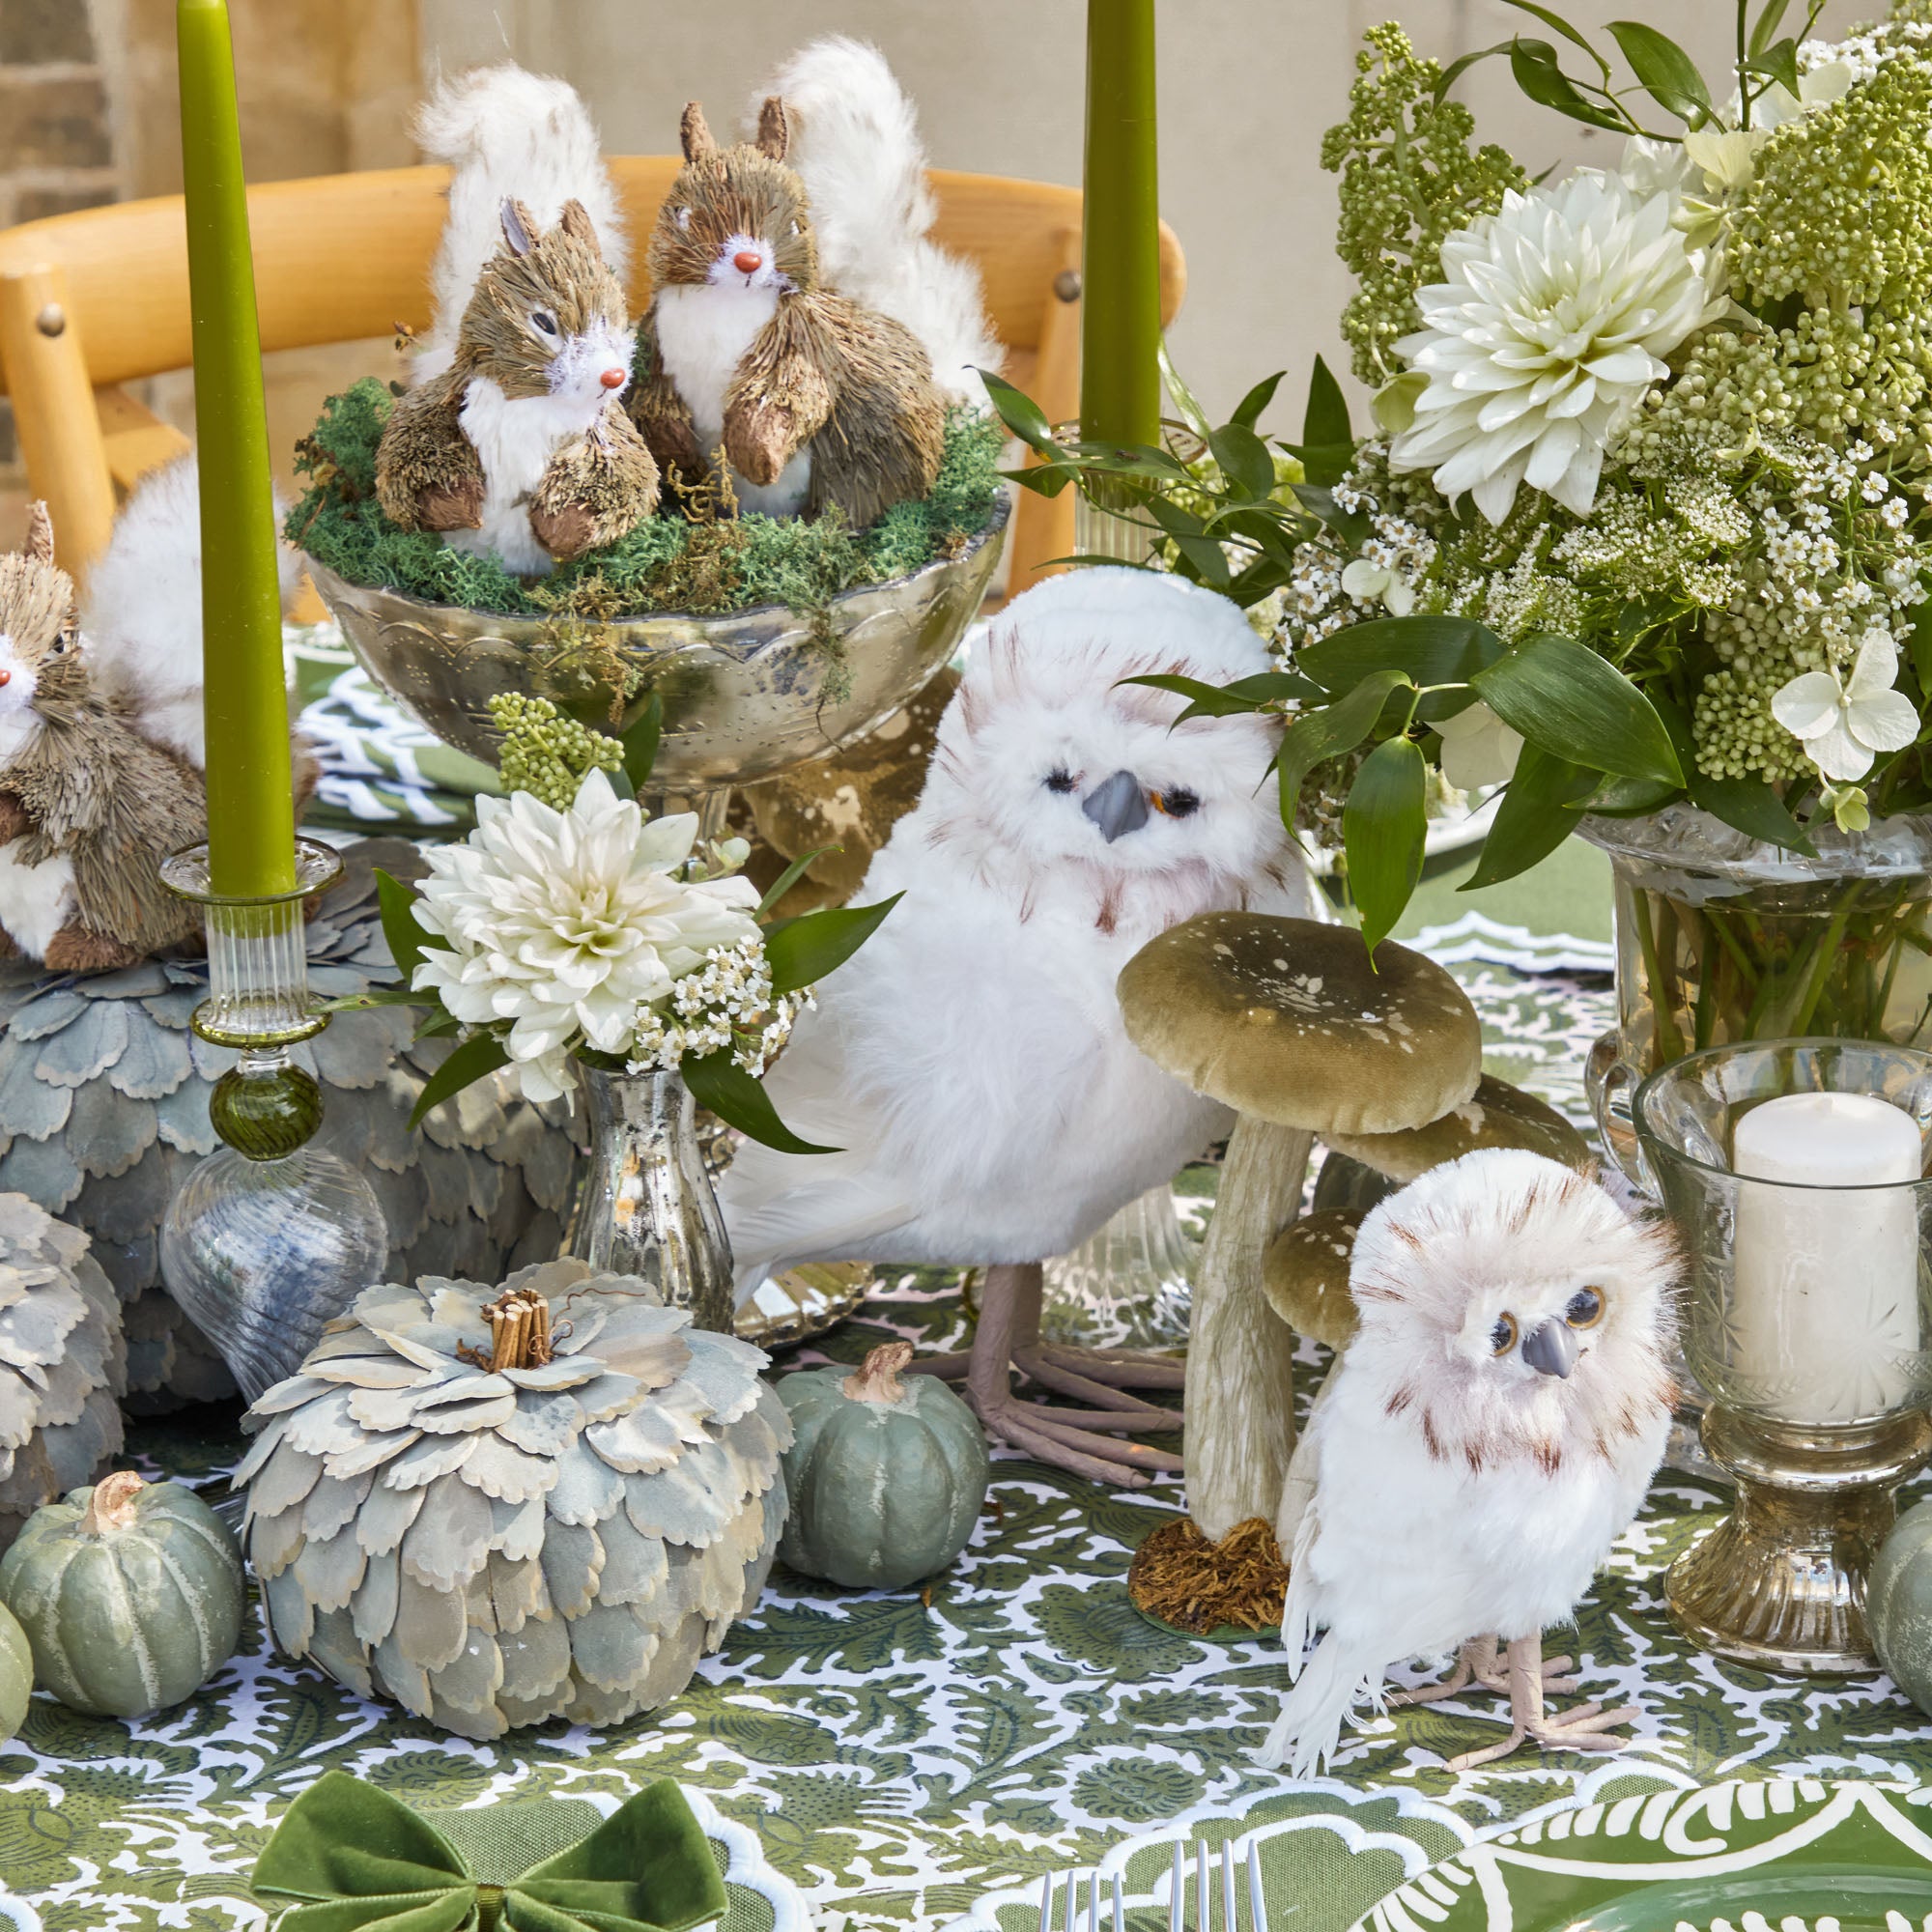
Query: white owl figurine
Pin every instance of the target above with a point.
(971, 1060)
(1487, 1436)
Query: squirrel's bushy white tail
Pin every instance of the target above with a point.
(506, 132)
(140, 616)
(855, 141)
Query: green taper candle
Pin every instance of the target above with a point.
(1120, 273)
(251, 832)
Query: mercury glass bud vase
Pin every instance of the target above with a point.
(271, 1236)
(646, 1206)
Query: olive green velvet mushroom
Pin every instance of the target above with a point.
(1289, 1023)
(1497, 1116)
(1305, 1274)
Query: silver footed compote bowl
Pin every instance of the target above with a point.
(746, 695)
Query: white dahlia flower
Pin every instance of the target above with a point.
(1554, 319)
(567, 924)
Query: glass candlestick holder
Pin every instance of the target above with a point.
(271, 1236)
(1794, 1174)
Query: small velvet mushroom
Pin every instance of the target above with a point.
(1305, 1274)
(1496, 1114)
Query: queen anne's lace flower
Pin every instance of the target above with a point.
(567, 924)
(1843, 725)
(1553, 318)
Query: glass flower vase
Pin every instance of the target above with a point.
(271, 1236)
(646, 1206)
(1721, 939)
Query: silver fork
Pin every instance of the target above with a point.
(1071, 1917)
(1204, 1896)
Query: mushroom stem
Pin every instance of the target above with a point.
(111, 1506)
(1240, 1388)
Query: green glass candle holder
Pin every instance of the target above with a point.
(271, 1236)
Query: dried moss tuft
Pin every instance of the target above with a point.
(669, 562)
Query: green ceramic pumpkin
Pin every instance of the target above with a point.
(16, 1674)
(130, 1595)
(1899, 1604)
(887, 1477)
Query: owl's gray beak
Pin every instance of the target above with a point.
(1552, 1350)
(1117, 806)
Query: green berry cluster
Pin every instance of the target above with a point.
(547, 753)
(1840, 206)
(1409, 181)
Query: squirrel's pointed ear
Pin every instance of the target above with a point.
(520, 226)
(576, 222)
(40, 534)
(695, 134)
(774, 130)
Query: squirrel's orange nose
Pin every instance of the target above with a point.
(748, 261)
(613, 379)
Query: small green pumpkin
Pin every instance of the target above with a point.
(130, 1595)
(1899, 1604)
(16, 1674)
(887, 1477)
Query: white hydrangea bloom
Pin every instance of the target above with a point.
(1843, 725)
(568, 923)
(1553, 318)
(1478, 749)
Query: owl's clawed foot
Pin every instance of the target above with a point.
(1007, 1340)
(1480, 1662)
(1589, 1727)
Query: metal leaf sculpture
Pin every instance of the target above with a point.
(63, 1363)
(503, 1508)
(103, 1109)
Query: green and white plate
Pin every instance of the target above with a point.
(1792, 1852)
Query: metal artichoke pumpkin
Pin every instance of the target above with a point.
(63, 1363)
(104, 1111)
(548, 1504)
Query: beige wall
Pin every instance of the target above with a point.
(1248, 86)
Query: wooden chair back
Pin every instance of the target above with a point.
(92, 300)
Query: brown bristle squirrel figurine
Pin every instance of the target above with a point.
(520, 450)
(815, 402)
(88, 807)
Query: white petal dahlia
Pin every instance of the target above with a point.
(1554, 319)
(566, 924)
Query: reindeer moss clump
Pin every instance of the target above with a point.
(669, 562)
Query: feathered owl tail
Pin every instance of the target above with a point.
(1310, 1726)
(506, 132)
(855, 141)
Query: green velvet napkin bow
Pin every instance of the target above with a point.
(358, 1859)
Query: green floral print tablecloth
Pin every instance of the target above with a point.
(902, 1756)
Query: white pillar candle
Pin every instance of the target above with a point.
(1824, 1303)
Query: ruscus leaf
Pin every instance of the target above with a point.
(801, 952)
(716, 1081)
(1384, 824)
(1560, 694)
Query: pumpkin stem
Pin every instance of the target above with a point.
(112, 1505)
(520, 1333)
(877, 1378)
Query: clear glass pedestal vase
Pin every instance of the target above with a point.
(646, 1206)
(1128, 1286)
(271, 1236)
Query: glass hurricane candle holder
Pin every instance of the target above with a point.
(271, 1236)
(1794, 1170)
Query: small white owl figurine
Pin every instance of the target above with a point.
(1487, 1436)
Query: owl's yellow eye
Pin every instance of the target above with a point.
(1502, 1337)
(1585, 1309)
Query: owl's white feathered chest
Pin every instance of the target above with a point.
(1413, 1552)
(703, 334)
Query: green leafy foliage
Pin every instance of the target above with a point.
(716, 1081)
(1383, 827)
(469, 1061)
(801, 952)
(1562, 696)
